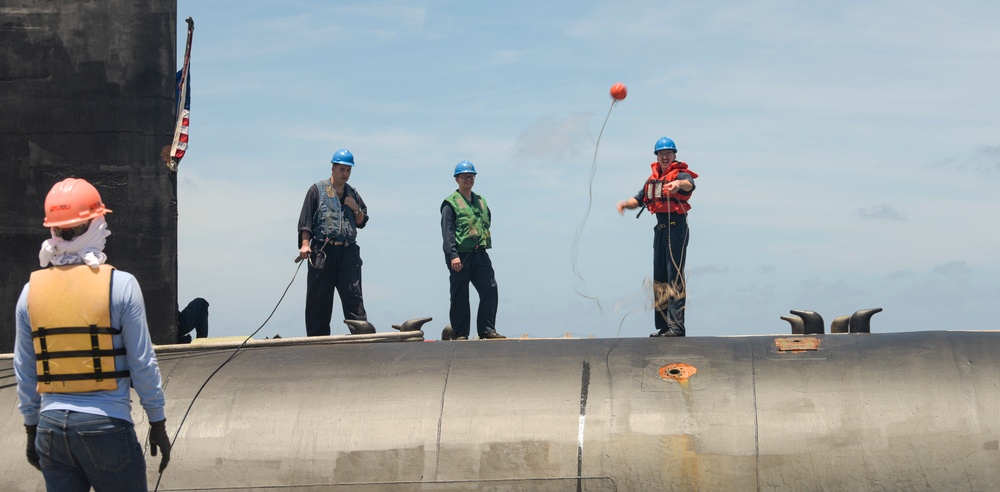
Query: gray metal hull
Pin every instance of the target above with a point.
(906, 411)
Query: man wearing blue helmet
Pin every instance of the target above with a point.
(332, 213)
(666, 195)
(465, 228)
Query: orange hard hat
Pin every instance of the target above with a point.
(72, 202)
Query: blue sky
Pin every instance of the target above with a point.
(848, 152)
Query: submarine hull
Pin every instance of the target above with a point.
(902, 411)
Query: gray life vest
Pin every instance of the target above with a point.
(333, 221)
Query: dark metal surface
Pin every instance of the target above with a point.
(911, 411)
(86, 90)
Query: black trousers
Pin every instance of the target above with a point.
(477, 269)
(340, 272)
(670, 240)
(193, 317)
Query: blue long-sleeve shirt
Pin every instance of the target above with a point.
(128, 312)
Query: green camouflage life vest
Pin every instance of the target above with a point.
(472, 223)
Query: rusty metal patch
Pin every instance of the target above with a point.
(677, 371)
(796, 345)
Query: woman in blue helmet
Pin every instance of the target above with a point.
(465, 228)
(666, 195)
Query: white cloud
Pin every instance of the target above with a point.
(881, 212)
(555, 139)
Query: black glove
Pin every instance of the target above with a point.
(158, 438)
(31, 451)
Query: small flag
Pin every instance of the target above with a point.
(180, 144)
(183, 105)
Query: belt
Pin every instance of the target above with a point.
(332, 243)
(672, 223)
(662, 218)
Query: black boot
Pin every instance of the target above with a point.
(671, 332)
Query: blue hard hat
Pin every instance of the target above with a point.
(343, 156)
(464, 167)
(664, 143)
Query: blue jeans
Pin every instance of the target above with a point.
(78, 451)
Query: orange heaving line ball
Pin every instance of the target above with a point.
(618, 91)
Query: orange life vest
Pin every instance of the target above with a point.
(70, 311)
(657, 199)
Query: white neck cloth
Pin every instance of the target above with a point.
(86, 248)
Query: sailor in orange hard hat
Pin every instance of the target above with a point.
(82, 345)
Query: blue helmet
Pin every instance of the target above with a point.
(343, 156)
(664, 143)
(465, 167)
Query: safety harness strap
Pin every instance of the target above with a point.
(81, 353)
(98, 376)
(42, 331)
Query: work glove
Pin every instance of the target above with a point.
(158, 438)
(31, 452)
